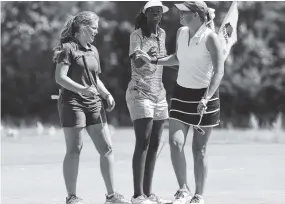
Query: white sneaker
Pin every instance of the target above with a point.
(141, 200)
(197, 199)
(182, 196)
(74, 200)
(116, 198)
(154, 198)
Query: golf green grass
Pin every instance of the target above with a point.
(245, 167)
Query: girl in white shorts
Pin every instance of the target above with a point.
(146, 98)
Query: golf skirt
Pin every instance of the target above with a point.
(184, 103)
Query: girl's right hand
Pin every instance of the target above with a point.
(143, 55)
(152, 52)
(90, 91)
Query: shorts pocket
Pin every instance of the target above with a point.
(135, 93)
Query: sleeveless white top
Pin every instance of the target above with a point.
(195, 63)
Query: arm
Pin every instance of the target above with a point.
(102, 89)
(62, 79)
(214, 46)
(170, 60)
(63, 58)
(106, 95)
(135, 43)
(137, 61)
(140, 62)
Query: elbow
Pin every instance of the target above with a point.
(99, 82)
(58, 79)
(218, 75)
(175, 60)
(221, 74)
(175, 57)
(220, 71)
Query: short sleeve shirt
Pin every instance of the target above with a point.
(72, 55)
(148, 78)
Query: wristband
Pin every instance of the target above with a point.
(154, 61)
(205, 100)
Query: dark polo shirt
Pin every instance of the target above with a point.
(72, 55)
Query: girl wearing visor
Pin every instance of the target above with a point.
(146, 98)
(79, 104)
(195, 101)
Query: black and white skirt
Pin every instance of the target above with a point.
(184, 103)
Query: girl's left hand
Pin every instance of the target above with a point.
(111, 103)
(202, 106)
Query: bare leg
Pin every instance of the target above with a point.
(156, 133)
(101, 138)
(143, 128)
(200, 160)
(71, 160)
(177, 138)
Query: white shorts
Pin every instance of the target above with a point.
(141, 107)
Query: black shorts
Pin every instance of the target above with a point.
(76, 116)
(184, 103)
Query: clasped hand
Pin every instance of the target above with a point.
(92, 91)
(202, 106)
(111, 102)
(146, 56)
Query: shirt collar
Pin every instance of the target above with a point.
(154, 35)
(80, 46)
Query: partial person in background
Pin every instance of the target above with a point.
(201, 68)
(146, 99)
(80, 105)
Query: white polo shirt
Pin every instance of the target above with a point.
(195, 63)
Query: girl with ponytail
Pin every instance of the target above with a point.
(80, 105)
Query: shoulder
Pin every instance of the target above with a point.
(212, 41)
(69, 46)
(137, 32)
(162, 31)
(212, 37)
(95, 50)
(64, 53)
(182, 29)
(210, 33)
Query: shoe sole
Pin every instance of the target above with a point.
(117, 203)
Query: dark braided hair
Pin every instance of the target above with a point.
(141, 22)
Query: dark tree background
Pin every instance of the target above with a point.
(254, 81)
